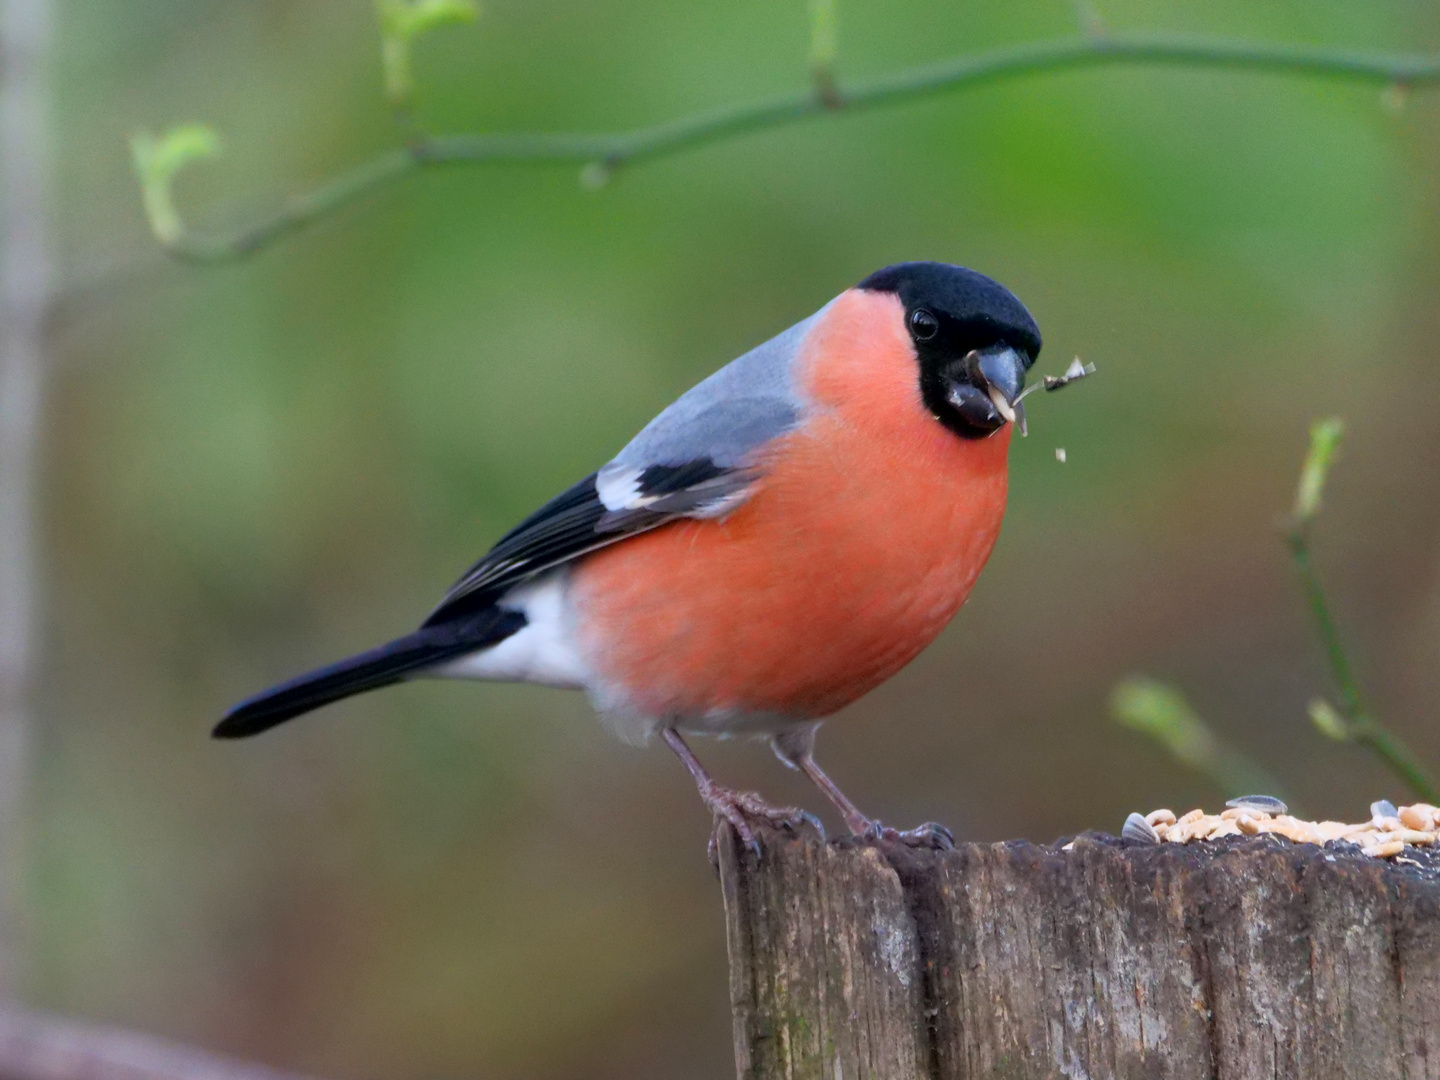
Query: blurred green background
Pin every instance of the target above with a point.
(256, 468)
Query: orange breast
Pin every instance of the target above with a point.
(862, 542)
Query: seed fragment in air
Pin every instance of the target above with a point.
(1078, 369)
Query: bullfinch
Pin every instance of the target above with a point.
(775, 544)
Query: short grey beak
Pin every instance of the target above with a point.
(1004, 371)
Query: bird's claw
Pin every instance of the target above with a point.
(930, 835)
(739, 808)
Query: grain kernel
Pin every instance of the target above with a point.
(1160, 817)
(1385, 850)
(1298, 831)
(1415, 836)
(1416, 817)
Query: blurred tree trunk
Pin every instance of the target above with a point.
(1214, 961)
(24, 295)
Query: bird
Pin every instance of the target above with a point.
(786, 536)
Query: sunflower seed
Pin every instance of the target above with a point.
(1265, 804)
(1138, 829)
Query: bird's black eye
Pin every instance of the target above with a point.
(923, 325)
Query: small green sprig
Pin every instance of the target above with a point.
(1350, 719)
(157, 160)
(401, 23)
(824, 48)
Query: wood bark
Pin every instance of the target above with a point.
(1233, 959)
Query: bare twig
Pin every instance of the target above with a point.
(24, 289)
(38, 1047)
(1352, 720)
(603, 153)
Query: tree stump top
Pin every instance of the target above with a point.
(1244, 957)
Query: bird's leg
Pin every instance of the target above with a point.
(931, 834)
(736, 806)
(797, 750)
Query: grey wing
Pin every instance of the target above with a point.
(717, 426)
(696, 459)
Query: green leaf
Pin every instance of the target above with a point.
(401, 22)
(1325, 438)
(1161, 712)
(157, 161)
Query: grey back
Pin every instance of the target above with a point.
(744, 405)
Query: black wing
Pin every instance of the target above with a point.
(578, 521)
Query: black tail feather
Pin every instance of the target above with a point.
(382, 666)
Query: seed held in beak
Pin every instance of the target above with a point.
(1003, 407)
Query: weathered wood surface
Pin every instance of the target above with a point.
(1230, 960)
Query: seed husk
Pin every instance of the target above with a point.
(1266, 804)
(1138, 829)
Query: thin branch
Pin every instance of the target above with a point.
(38, 1047)
(606, 152)
(1353, 720)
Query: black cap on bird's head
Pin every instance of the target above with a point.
(975, 342)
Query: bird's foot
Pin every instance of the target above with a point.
(931, 835)
(740, 808)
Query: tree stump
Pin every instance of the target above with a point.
(1233, 959)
